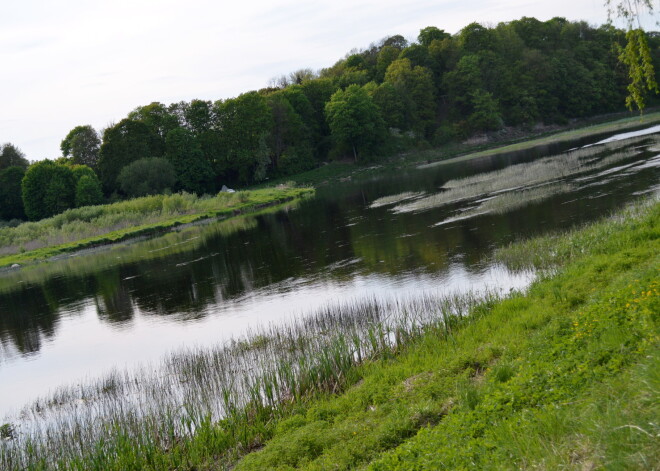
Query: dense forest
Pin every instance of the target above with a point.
(392, 96)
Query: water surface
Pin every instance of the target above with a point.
(383, 235)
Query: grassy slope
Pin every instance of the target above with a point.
(458, 152)
(75, 225)
(535, 381)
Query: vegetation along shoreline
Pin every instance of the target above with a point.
(378, 386)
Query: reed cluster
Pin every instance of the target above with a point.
(225, 396)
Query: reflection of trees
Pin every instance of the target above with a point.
(26, 318)
(182, 274)
(112, 298)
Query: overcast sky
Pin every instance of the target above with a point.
(72, 62)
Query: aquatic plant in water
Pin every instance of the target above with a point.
(190, 390)
(507, 189)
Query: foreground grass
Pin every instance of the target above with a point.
(564, 376)
(538, 381)
(89, 226)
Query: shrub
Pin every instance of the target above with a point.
(47, 189)
(148, 176)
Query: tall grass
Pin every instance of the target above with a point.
(93, 221)
(546, 253)
(222, 396)
(503, 185)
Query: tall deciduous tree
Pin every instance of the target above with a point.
(244, 124)
(184, 152)
(123, 144)
(47, 189)
(11, 156)
(82, 144)
(415, 86)
(11, 203)
(355, 122)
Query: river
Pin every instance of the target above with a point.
(380, 234)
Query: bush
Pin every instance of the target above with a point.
(88, 191)
(47, 189)
(148, 176)
(11, 203)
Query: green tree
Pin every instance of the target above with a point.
(88, 191)
(386, 56)
(148, 176)
(485, 115)
(11, 203)
(183, 151)
(391, 104)
(47, 189)
(636, 55)
(244, 124)
(11, 156)
(429, 34)
(198, 116)
(123, 144)
(355, 122)
(289, 140)
(160, 120)
(82, 144)
(416, 89)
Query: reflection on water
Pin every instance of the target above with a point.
(83, 315)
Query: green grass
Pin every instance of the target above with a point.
(563, 376)
(90, 226)
(521, 385)
(454, 153)
(460, 152)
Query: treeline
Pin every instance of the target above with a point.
(391, 96)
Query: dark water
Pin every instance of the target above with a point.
(76, 318)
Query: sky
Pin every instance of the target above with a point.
(75, 62)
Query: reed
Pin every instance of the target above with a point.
(579, 165)
(80, 227)
(223, 396)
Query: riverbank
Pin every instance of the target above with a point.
(93, 226)
(534, 380)
(487, 145)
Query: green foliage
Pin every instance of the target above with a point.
(80, 171)
(11, 203)
(563, 376)
(82, 144)
(193, 172)
(124, 143)
(392, 105)
(355, 122)
(47, 189)
(415, 87)
(93, 225)
(88, 191)
(530, 395)
(290, 140)
(11, 156)
(429, 34)
(636, 56)
(148, 176)
(485, 115)
(245, 123)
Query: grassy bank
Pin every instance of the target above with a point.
(536, 380)
(90, 226)
(458, 152)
